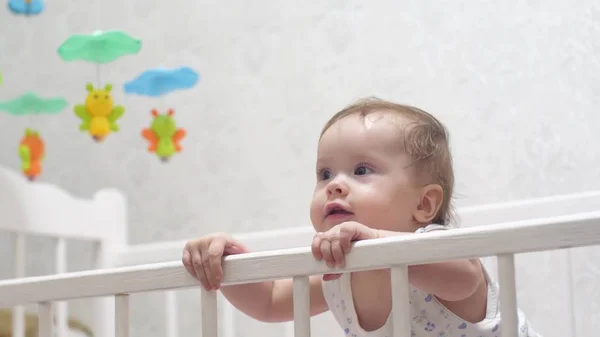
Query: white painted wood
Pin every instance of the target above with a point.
(103, 313)
(46, 209)
(110, 211)
(533, 235)
(38, 208)
(208, 304)
(508, 295)
(122, 327)
(18, 319)
(46, 317)
(290, 329)
(301, 294)
(19, 255)
(171, 313)
(519, 210)
(572, 291)
(61, 306)
(228, 317)
(585, 279)
(60, 255)
(400, 301)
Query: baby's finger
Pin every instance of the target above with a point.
(186, 259)
(326, 252)
(345, 243)
(215, 254)
(207, 270)
(338, 253)
(316, 247)
(199, 269)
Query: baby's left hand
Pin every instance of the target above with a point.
(333, 245)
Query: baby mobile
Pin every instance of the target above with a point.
(99, 114)
(26, 7)
(31, 146)
(163, 135)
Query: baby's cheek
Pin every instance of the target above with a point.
(316, 216)
(380, 213)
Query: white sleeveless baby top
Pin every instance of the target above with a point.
(429, 317)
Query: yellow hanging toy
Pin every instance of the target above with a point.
(99, 115)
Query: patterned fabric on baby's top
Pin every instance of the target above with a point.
(429, 317)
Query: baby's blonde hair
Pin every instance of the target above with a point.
(426, 141)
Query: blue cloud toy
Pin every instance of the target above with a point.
(27, 7)
(158, 82)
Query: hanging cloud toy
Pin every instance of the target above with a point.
(26, 7)
(31, 103)
(99, 47)
(158, 82)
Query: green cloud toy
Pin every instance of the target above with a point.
(31, 103)
(99, 47)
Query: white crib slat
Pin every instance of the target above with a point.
(508, 295)
(301, 306)
(208, 307)
(229, 322)
(18, 318)
(122, 315)
(20, 254)
(61, 307)
(288, 329)
(45, 316)
(400, 301)
(104, 307)
(171, 313)
(18, 321)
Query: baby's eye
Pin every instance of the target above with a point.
(325, 175)
(362, 170)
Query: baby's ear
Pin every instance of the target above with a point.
(432, 196)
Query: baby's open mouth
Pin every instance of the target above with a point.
(338, 210)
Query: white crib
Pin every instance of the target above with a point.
(42, 209)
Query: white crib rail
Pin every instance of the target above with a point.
(502, 240)
(60, 266)
(18, 318)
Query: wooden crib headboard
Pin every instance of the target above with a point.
(46, 209)
(38, 208)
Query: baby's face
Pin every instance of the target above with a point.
(362, 175)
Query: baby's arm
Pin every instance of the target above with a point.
(453, 280)
(273, 301)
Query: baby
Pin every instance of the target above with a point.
(382, 169)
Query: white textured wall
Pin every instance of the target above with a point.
(515, 81)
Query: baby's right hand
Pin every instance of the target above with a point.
(202, 257)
